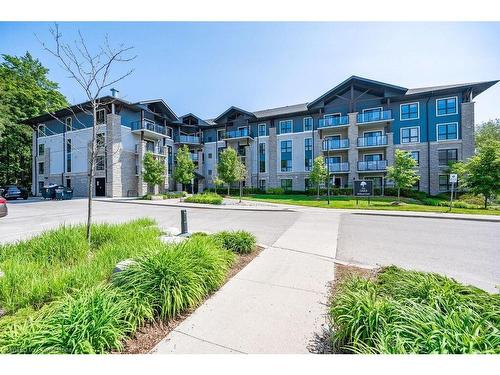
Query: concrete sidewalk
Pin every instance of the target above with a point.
(274, 305)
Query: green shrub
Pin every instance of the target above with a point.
(91, 321)
(414, 312)
(147, 197)
(275, 191)
(240, 241)
(206, 198)
(174, 194)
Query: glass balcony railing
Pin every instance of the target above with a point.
(375, 116)
(333, 121)
(335, 144)
(374, 165)
(380, 140)
(337, 167)
(191, 139)
(194, 157)
(148, 125)
(240, 133)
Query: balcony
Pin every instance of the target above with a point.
(237, 134)
(194, 157)
(335, 144)
(149, 128)
(374, 165)
(158, 150)
(375, 117)
(188, 139)
(380, 140)
(331, 122)
(338, 167)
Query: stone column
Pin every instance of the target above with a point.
(113, 150)
(273, 157)
(142, 187)
(352, 153)
(468, 142)
(389, 151)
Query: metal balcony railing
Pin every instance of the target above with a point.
(375, 165)
(241, 133)
(335, 144)
(375, 116)
(333, 121)
(379, 140)
(148, 125)
(338, 167)
(191, 139)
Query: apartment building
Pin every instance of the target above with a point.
(356, 126)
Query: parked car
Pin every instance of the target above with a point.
(3, 207)
(14, 192)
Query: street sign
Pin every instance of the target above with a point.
(363, 188)
(453, 178)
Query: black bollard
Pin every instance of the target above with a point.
(184, 222)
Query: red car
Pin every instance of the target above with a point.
(3, 207)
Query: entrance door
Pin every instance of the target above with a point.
(100, 187)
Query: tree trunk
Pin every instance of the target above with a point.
(241, 190)
(228, 189)
(91, 174)
(485, 202)
(399, 195)
(317, 196)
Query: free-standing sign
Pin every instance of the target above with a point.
(453, 178)
(363, 188)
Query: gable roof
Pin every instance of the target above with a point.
(171, 114)
(233, 109)
(279, 111)
(201, 122)
(476, 87)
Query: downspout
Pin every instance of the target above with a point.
(428, 146)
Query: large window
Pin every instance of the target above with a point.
(409, 111)
(444, 182)
(41, 168)
(100, 163)
(308, 124)
(447, 131)
(286, 156)
(286, 184)
(170, 159)
(286, 126)
(262, 157)
(101, 116)
(447, 156)
(220, 134)
(68, 155)
(262, 184)
(446, 106)
(69, 124)
(416, 155)
(262, 130)
(41, 149)
(100, 139)
(307, 183)
(410, 135)
(308, 154)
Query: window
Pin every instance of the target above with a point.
(68, 155)
(410, 135)
(220, 134)
(262, 184)
(409, 111)
(286, 156)
(100, 140)
(307, 184)
(373, 157)
(447, 156)
(209, 172)
(372, 114)
(416, 186)
(68, 182)
(210, 155)
(308, 154)
(444, 182)
(262, 157)
(286, 126)
(416, 155)
(446, 106)
(41, 168)
(308, 124)
(170, 159)
(99, 163)
(262, 130)
(100, 116)
(286, 184)
(41, 149)
(42, 131)
(447, 131)
(40, 185)
(69, 124)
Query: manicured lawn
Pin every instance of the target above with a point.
(377, 203)
(400, 312)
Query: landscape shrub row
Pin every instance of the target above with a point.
(413, 312)
(207, 198)
(240, 242)
(167, 195)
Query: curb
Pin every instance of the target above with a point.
(428, 216)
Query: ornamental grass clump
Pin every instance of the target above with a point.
(239, 241)
(413, 312)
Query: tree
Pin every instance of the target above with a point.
(319, 172)
(403, 171)
(25, 92)
(241, 174)
(92, 72)
(217, 182)
(184, 168)
(154, 170)
(488, 131)
(482, 171)
(227, 167)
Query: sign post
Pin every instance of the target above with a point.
(453, 181)
(363, 189)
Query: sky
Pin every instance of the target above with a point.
(204, 68)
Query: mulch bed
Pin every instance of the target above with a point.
(149, 335)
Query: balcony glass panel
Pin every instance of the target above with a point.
(333, 121)
(335, 144)
(147, 125)
(238, 133)
(374, 116)
(379, 140)
(333, 166)
(189, 139)
(374, 165)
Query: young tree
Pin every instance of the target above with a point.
(184, 168)
(92, 71)
(241, 174)
(319, 172)
(488, 131)
(154, 170)
(482, 171)
(403, 171)
(227, 167)
(217, 182)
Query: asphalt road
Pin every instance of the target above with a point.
(466, 250)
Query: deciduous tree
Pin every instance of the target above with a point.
(184, 168)
(227, 167)
(319, 172)
(403, 171)
(154, 170)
